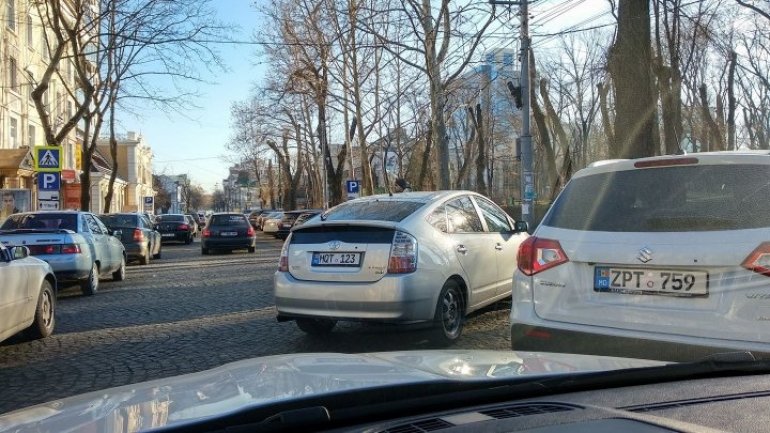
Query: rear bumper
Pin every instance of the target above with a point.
(176, 236)
(136, 250)
(234, 243)
(68, 267)
(398, 299)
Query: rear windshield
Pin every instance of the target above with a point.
(120, 220)
(378, 210)
(671, 199)
(170, 218)
(228, 220)
(41, 221)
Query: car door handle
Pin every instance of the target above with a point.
(461, 249)
(498, 247)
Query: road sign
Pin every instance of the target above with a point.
(353, 187)
(48, 181)
(48, 195)
(48, 158)
(148, 203)
(47, 205)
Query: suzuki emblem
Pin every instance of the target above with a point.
(645, 255)
(334, 245)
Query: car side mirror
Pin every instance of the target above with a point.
(19, 252)
(521, 227)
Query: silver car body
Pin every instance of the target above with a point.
(95, 243)
(481, 262)
(21, 280)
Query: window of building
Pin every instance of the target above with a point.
(10, 13)
(13, 78)
(30, 32)
(31, 135)
(14, 133)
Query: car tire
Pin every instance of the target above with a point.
(157, 256)
(450, 313)
(145, 259)
(90, 286)
(45, 313)
(204, 251)
(316, 327)
(120, 274)
(252, 249)
(189, 240)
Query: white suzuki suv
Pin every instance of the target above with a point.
(663, 258)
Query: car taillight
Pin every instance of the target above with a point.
(183, 227)
(283, 264)
(759, 260)
(206, 233)
(403, 254)
(44, 249)
(70, 249)
(250, 231)
(138, 235)
(537, 254)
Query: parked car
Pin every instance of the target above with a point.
(140, 239)
(304, 217)
(260, 220)
(661, 257)
(289, 219)
(430, 257)
(228, 231)
(175, 227)
(28, 299)
(77, 245)
(253, 216)
(270, 223)
(193, 221)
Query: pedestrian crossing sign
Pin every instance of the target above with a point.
(48, 159)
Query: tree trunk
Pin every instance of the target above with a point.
(731, 145)
(114, 156)
(629, 65)
(715, 140)
(609, 130)
(478, 126)
(425, 161)
(563, 175)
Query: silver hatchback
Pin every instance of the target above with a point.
(405, 258)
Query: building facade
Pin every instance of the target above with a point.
(134, 157)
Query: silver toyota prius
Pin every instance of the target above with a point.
(403, 258)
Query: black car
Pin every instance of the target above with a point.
(228, 231)
(138, 235)
(175, 227)
(290, 219)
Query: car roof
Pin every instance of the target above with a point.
(419, 196)
(703, 158)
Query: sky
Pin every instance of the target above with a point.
(195, 143)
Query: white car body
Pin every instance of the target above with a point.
(270, 225)
(629, 291)
(22, 280)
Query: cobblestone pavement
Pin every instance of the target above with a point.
(185, 313)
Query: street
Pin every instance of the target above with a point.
(185, 313)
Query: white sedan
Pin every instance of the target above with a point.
(28, 296)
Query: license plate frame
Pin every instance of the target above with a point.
(336, 259)
(228, 234)
(167, 235)
(688, 283)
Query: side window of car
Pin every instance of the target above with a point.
(93, 226)
(462, 216)
(437, 219)
(101, 225)
(497, 220)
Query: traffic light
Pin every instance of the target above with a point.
(516, 93)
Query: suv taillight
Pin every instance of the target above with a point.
(537, 254)
(403, 254)
(250, 231)
(759, 260)
(138, 235)
(206, 233)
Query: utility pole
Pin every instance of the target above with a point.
(525, 138)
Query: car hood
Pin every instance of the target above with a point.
(261, 381)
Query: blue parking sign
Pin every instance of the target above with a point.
(48, 181)
(353, 186)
